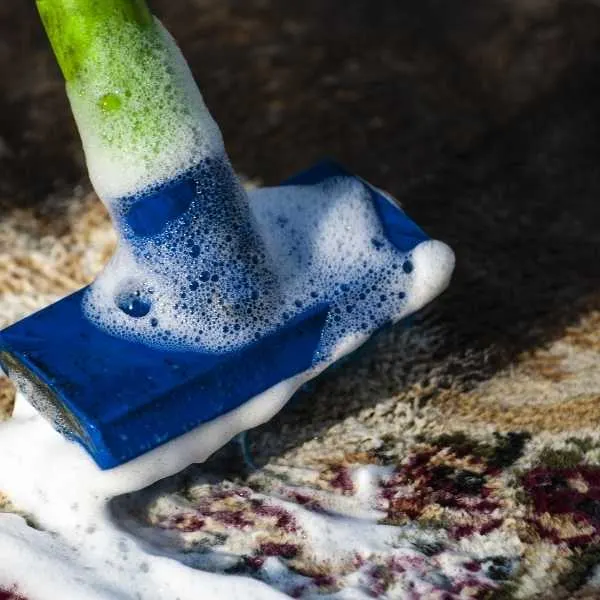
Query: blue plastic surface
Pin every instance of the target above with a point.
(120, 398)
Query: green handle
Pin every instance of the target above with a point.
(73, 25)
(139, 112)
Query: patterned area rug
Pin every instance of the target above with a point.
(472, 436)
(492, 480)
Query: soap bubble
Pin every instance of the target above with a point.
(133, 301)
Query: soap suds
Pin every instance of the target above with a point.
(53, 479)
(267, 538)
(190, 287)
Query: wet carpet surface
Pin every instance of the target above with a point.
(478, 424)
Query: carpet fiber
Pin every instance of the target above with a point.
(482, 418)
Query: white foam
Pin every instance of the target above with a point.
(87, 557)
(84, 551)
(319, 245)
(434, 263)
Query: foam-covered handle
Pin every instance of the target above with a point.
(139, 112)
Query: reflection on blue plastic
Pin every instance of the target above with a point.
(120, 398)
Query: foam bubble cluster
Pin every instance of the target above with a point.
(229, 271)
